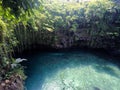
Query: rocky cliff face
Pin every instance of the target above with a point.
(65, 39)
(13, 83)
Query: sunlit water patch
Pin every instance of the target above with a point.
(71, 71)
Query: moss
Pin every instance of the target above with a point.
(2, 30)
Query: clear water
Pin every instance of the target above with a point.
(71, 71)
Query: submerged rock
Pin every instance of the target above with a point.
(96, 88)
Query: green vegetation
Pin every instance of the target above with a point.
(65, 24)
(12, 13)
(25, 24)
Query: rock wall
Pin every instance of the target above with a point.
(13, 83)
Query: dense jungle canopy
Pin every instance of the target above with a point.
(27, 24)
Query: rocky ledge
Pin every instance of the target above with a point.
(13, 83)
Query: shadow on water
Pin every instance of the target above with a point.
(107, 69)
(109, 58)
(42, 65)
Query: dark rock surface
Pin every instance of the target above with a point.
(14, 83)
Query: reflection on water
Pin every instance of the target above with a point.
(71, 71)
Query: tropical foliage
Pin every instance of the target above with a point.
(92, 23)
(12, 13)
(26, 24)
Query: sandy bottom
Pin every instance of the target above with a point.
(73, 71)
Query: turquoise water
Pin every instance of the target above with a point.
(73, 70)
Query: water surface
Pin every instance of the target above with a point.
(73, 70)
